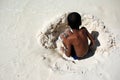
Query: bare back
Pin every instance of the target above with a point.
(78, 39)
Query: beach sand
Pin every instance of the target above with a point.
(22, 57)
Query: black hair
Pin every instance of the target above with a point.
(74, 20)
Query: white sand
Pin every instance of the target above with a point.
(21, 57)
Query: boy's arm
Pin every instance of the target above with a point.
(67, 46)
(90, 37)
(68, 50)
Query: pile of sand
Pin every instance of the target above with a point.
(105, 42)
(49, 35)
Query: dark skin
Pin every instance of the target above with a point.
(79, 39)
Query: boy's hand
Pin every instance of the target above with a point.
(62, 36)
(65, 34)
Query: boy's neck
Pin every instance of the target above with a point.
(74, 30)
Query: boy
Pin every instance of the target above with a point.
(76, 40)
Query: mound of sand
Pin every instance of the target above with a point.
(105, 41)
(49, 35)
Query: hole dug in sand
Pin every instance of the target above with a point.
(48, 38)
(49, 35)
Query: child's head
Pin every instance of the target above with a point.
(74, 20)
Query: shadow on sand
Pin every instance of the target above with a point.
(91, 52)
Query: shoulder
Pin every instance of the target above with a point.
(84, 29)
